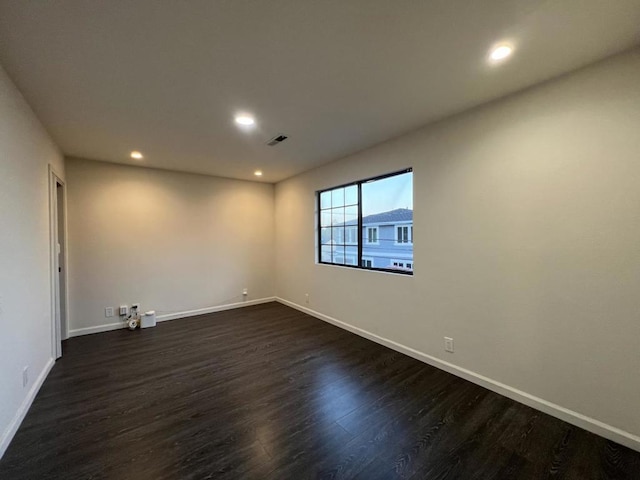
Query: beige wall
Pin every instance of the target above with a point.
(25, 289)
(527, 220)
(174, 242)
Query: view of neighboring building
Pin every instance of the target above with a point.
(387, 241)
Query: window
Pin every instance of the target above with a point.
(338, 224)
(404, 234)
(367, 220)
(351, 235)
(372, 234)
(401, 265)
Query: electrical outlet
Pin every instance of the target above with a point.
(306, 298)
(245, 291)
(108, 312)
(25, 376)
(448, 344)
(124, 310)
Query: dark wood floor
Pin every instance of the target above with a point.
(266, 392)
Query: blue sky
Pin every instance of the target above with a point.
(388, 194)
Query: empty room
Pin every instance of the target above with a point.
(319, 239)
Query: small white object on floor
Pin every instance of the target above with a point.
(148, 319)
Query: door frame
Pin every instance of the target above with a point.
(59, 320)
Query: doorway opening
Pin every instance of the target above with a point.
(58, 228)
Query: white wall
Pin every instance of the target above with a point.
(527, 223)
(25, 289)
(174, 242)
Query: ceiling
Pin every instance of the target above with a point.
(337, 76)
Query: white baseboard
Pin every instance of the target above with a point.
(11, 430)
(590, 424)
(77, 332)
(218, 308)
(171, 316)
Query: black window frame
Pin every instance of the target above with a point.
(359, 236)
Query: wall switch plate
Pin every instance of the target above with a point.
(25, 376)
(448, 344)
(124, 310)
(108, 312)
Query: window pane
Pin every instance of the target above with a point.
(325, 218)
(351, 215)
(325, 236)
(351, 234)
(388, 205)
(337, 197)
(337, 216)
(338, 235)
(351, 255)
(325, 199)
(325, 254)
(351, 195)
(338, 255)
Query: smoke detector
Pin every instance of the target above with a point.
(276, 140)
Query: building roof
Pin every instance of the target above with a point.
(392, 216)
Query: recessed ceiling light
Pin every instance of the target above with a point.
(500, 53)
(137, 155)
(258, 173)
(245, 120)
